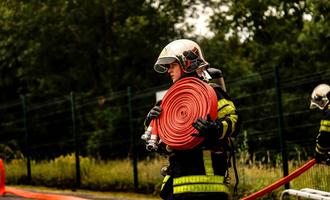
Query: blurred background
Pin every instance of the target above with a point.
(77, 81)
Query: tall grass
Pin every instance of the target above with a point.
(95, 174)
(117, 175)
(254, 177)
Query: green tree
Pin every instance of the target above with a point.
(49, 48)
(254, 37)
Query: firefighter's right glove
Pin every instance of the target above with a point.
(153, 113)
(206, 128)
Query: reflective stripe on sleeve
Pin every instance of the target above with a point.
(224, 128)
(320, 149)
(164, 181)
(228, 116)
(325, 125)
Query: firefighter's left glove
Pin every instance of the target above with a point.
(206, 128)
(153, 113)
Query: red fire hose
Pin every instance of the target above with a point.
(282, 181)
(28, 194)
(186, 100)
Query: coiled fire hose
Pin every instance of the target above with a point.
(187, 99)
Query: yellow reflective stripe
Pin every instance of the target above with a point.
(325, 125)
(226, 109)
(164, 181)
(208, 162)
(224, 128)
(320, 149)
(325, 128)
(233, 119)
(196, 179)
(201, 188)
(317, 150)
(325, 122)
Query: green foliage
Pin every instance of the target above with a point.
(102, 142)
(56, 47)
(50, 48)
(263, 35)
(277, 33)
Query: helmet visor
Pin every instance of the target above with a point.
(313, 105)
(161, 68)
(319, 102)
(162, 64)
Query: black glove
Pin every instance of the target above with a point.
(207, 128)
(153, 113)
(322, 158)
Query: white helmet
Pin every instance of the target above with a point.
(319, 96)
(186, 52)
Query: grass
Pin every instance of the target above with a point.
(114, 175)
(117, 175)
(254, 177)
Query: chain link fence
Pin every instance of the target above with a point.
(278, 128)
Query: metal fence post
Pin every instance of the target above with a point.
(27, 147)
(133, 153)
(280, 124)
(76, 138)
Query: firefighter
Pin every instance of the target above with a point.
(320, 99)
(202, 172)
